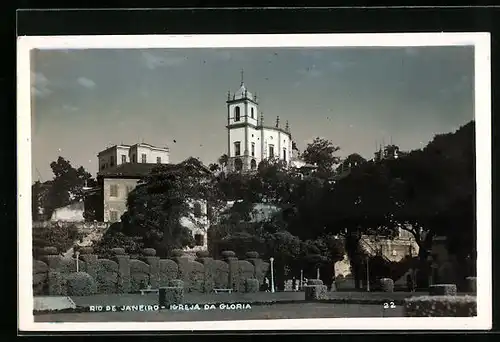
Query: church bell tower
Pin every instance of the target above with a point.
(242, 115)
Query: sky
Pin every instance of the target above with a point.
(84, 101)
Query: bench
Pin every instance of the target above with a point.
(223, 290)
(143, 291)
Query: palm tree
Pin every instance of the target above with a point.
(223, 160)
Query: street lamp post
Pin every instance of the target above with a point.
(77, 260)
(367, 274)
(272, 274)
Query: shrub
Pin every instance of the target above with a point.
(62, 238)
(149, 252)
(228, 254)
(387, 285)
(176, 283)
(315, 282)
(80, 284)
(440, 306)
(86, 250)
(112, 239)
(471, 284)
(170, 296)
(443, 290)
(315, 292)
(202, 254)
(252, 255)
(251, 285)
(177, 253)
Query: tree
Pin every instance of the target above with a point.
(223, 160)
(214, 167)
(157, 204)
(321, 152)
(436, 190)
(351, 161)
(67, 185)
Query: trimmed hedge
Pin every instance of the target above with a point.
(202, 254)
(228, 254)
(315, 292)
(177, 253)
(49, 250)
(149, 252)
(85, 250)
(443, 290)
(387, 285)
(252, 255)
(251, 285)
(80, 284)
(440, 306)
(118, 251)
(170, 296)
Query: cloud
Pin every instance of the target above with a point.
(40, 85)
(85, 82)
(155, 60)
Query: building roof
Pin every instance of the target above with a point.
(243, 93)
(139, 170)
(129, 170)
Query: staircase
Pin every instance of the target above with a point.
(95, 234)
(396, 269)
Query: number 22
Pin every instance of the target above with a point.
(389, 305)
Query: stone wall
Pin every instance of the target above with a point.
(124, 274)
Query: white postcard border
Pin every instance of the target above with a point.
(481, 42)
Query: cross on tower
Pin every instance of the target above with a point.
(241, 76)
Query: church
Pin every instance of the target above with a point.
(249, 139)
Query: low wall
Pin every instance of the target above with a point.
(125, 274)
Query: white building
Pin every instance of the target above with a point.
(138, 153)
(249, 139)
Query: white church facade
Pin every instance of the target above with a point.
(249, 139)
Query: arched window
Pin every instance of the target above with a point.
(253, 164)
(237, 114)
(251, 113)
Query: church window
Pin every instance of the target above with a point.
(124, 159)
(143, 157)
(284, 154)
(237, 114)
(251, 112)
(237, 148)
(253, 149)
(271, 151)
(197, 209)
